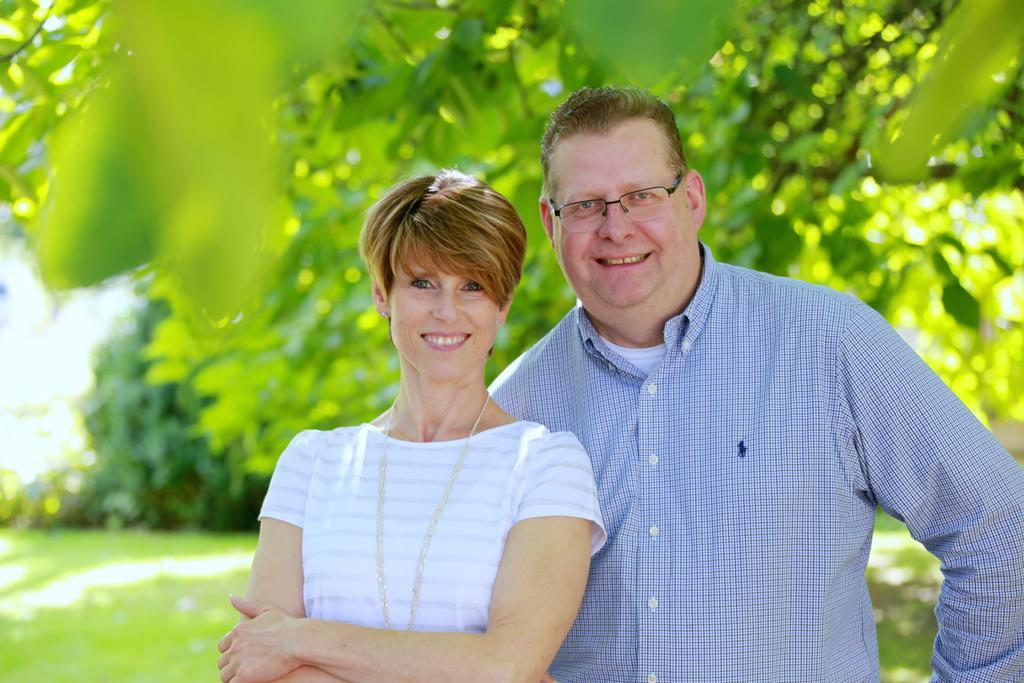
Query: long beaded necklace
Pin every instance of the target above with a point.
(382, 590)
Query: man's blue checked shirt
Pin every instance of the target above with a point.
(739, 483)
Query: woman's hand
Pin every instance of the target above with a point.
(260, 648)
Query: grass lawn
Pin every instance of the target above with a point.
(904, 581)
(95, 606)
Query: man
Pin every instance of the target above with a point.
(743, 430)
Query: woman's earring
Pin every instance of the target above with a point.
(385, 315)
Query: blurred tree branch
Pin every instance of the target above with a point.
(28, 41)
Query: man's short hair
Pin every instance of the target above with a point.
(451, 221)
(598, 110)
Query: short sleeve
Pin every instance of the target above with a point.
(559, 482)
(286, 497)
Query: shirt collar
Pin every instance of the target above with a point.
(679, 329)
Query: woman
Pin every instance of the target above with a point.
(444, 541)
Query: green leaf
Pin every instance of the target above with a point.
(36, 84)
(984, 38)
(9, 31)
(318, 27)
(648, 39)
(102, 212)
(779, 244)
(1001, 262)
(943, 269)
(800, 147)
(467, 33)
(17, 134)
(793, 82)
(53, 57)
(961, 305)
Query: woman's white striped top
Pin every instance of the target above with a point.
(326, 483)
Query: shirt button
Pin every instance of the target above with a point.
(652, 603)
(653, 459)
(611, 366)
(652, 678)
(654, 531)
(687, 345)
(652, 388)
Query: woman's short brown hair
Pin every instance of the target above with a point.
(451, 221)
(598, 110)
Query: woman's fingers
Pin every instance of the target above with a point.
(247, 607)
(227, 666)
(225, 642)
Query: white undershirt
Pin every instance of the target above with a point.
(645, 359)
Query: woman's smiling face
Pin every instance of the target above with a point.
(443, 325)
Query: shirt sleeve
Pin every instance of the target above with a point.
(286, 497)
(559, 482)
(926, 460)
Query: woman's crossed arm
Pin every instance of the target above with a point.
(537, 592)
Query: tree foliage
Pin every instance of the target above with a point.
(238, 164)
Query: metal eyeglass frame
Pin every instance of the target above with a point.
(604, 213)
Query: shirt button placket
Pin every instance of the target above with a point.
(648, 557)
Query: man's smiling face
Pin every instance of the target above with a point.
(626, 267)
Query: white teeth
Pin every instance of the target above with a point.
(445, 341)
(621, 261)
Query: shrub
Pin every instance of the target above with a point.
(152, 469)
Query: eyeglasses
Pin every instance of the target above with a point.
(640, 205)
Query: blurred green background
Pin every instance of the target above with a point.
(214, 159)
